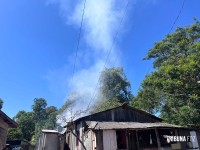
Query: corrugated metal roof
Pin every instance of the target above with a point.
(127, 125)
(50, 131)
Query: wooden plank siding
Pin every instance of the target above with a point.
(121, 114)
(5, 123)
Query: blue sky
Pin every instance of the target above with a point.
(38, 40)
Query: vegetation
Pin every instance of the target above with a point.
(172, 89)
(31, 123)
(1, 103)
(115, 89)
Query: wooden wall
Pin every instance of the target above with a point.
(3, 134)
(49, 141)
(121, 114)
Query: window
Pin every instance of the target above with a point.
(121, 139)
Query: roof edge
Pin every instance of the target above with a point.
(123, 105)
(11, 123)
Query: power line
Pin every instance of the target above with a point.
(119, 27)
(78, 42)
(182, 6)
(181, 9)
(126, 9)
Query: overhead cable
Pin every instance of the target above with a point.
(111, 48)
(178, 16)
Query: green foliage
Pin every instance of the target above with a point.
(45, 117)
(68, 103)
(106, 105)
(114, 85)
(15, 134)
(114, 89)
(39, 107)
(1, 103)
(50, 121)
(26, 124)
(30, 124)
(173, 89)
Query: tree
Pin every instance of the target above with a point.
(70, 110)
(65, 114)
(172, 88)
(114, 90)
(30, 124)
(15, 134)
(114, 85)
(148, 97)
(26, 126)
(50, 122)
(45, 117)
(1, 103)
(39, 107)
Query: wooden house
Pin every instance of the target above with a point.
(5, 123)
(127, 128)
(50, 140)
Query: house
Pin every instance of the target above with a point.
(47, 138)
(127, 128)
(52, 140)
(5, 123)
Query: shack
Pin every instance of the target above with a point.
(52, 140)
(5, 123)
(127, 128)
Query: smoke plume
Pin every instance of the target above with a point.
(100, 23)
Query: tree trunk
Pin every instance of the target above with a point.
(79, 140)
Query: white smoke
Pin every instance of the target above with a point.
(100, 23)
